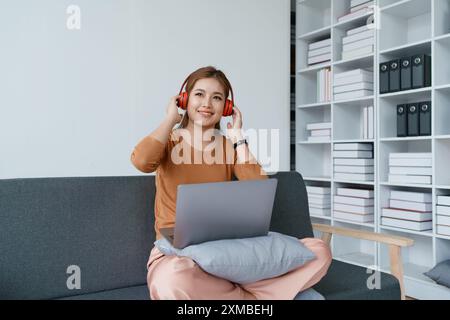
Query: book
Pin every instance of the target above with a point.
(418, 171)
(410, 162)
(319, 206)
(358, 44)
(318, 52)
(359, 193)
(411, 196)
(319, 125)
(354, 162)
(353, 154)
(364, 202)
(321, 133)
(353, 176)
(354, 3)
(358, 36)
(319, 139)
(353, 217)
(361, 6)
(409, 155)
(323, 202)
(353, 146)
(353, 79)
(351, 73)
(409, 205)
(354, 209)
(443, 200)
(320, 212)
(354, 169)
(370, 122)
(443, 210)
(405, 224)
(443, 220)
(320, 44)
(353, 94)
(357, 52)
(355, 14)
(353, 87)
(397, 178)
(443, 230)
(318, 59)
(406, 215)
(360, 29)
(364, 123)
(318, 190)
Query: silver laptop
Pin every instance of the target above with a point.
(221, 210)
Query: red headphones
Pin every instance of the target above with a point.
(182, 102)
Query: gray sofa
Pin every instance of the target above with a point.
(104, 225)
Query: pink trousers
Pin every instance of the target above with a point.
(180, 278)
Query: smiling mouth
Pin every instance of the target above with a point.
(205, 113)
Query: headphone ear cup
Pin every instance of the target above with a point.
(182, 101)
(228, 109)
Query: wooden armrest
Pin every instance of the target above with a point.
(365, 235)
(395, 243)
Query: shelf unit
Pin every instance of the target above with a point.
(407, 27)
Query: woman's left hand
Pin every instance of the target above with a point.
(234, 130)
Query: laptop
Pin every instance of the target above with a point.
(221, 210)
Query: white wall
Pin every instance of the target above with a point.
(75, 103)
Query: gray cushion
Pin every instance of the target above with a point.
(309, 294)
(440, 273)
(129, 293)
(247, 260)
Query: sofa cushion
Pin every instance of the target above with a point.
(346, 281)
(440, 273)
(246, 260)
(129, 293)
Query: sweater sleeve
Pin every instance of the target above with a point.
(247, 170)
(148, 154)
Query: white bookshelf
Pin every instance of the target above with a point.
(408, 27)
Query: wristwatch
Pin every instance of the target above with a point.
(238, 143)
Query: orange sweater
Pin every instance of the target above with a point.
(150, 155)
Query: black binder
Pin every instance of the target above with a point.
(421, 71)
(384, 77)
(394, 76)
(425, 118)
(405, 74)
(413, 119)
(402, 123)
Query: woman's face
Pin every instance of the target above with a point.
(206, 102)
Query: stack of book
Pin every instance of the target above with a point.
(408, 210)
(319, 200)
(353, 161)
(319, 52)
(353, 84)
(354, 205)
(443, 215)
(358, 42)
(367, 123)
(324, 85)
(319, 132)
(410, 168)
(358, 8)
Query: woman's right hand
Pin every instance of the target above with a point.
(172, 111)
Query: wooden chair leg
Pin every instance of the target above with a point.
(326, 237)
(397, 266)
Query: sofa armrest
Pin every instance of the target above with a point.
(394, 242)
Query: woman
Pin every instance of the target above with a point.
(183, 156)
